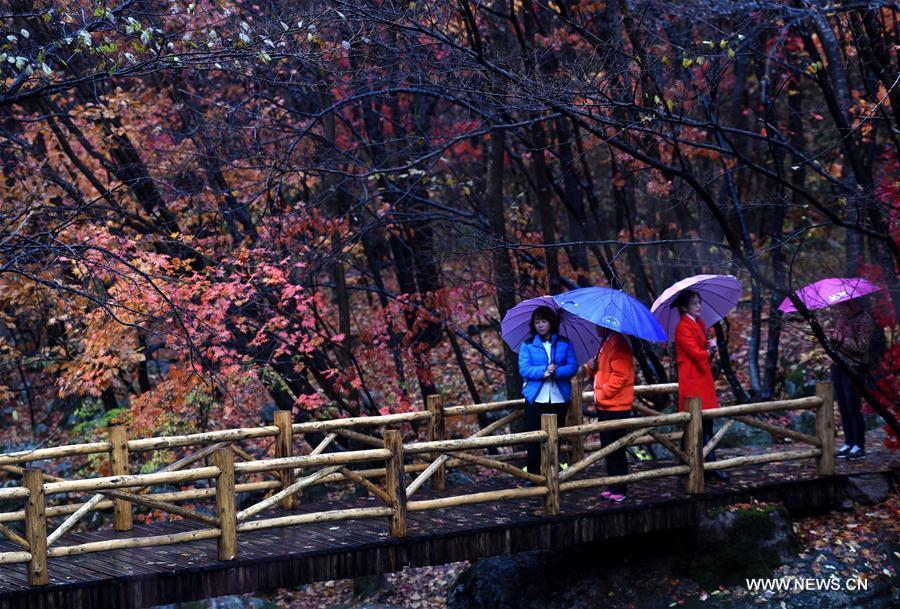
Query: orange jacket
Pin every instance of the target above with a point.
(695, 378)
(614, 376)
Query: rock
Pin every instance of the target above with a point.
(805, 422)
(873, 421)
(364, 587)
(868, 489)
(800, 382)
(741, 435)
(734, 544)
(365, 606)
(581, 577)
(456, 478)
(313, 493)
(500, 582)
(636, 571)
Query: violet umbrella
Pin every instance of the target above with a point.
(719, 295)
(515, 327)
(827, 292)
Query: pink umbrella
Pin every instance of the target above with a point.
(719, 293)
(827, 292)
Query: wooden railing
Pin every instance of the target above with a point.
(384, 458)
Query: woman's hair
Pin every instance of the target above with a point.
(684, 297)
(547, 314)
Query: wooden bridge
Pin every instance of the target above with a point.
(216, 545)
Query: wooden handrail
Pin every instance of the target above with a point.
(209, 437)
(376, 421)
(246, 433)
(108, 482)
(14, 492)
(757, 407)
(655, 421)
(308, 461)
(68, 450)
(228, 522)
(418, 448)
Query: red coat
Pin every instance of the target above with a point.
(695, 378)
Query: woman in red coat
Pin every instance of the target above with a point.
(692, 355)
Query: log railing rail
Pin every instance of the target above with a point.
(385, 457)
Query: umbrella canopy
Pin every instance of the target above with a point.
(613, 309)
(827, 292)
(515, 327)
(719, 294)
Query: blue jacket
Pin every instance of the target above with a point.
(533, 363)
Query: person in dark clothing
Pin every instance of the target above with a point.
(851, 335)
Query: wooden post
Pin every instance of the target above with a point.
(225, 504)
(693, 445)
(437, 430)
(576, 417)
(284, 447)
(550, 464)
(36, 528)
(118, 461)
(393, 481)
(825, 428)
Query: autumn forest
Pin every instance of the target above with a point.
(211, 210)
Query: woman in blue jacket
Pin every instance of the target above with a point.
(547, 365)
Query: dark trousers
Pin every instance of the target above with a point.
(533, 414)
(850, 406)
(617, 461)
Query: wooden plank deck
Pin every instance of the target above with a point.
(126, 579)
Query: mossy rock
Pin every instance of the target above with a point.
(804, 422)
(742, 436)
(800, 382)
(873, 421)
(734, 544)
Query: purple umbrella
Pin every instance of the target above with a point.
(719, 293)
(515, 327)
(827, 292)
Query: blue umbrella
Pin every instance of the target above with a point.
(613, 309)
(515, 327)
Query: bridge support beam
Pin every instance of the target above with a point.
(118, 465)
(550, 464)
(394, 483)
(284, 447)
(825, 429)
(693, 445)
(437, 431)
(225, 504)
(36, 528)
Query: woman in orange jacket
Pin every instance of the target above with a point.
(613, 373)
(693, 353)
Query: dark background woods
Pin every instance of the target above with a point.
(212, 209)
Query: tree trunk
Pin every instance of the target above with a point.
(504, 276)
